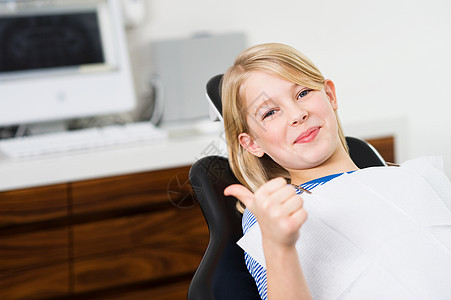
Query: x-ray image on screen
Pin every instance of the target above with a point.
(49, 41)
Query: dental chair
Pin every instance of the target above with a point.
(222, 273)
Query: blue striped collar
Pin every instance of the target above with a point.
(322, 179)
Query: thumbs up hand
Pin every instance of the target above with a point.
(277, 207)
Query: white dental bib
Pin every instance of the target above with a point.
(377, 233)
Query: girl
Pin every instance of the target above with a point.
(280, 116)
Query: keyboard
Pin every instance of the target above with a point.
(82, 139)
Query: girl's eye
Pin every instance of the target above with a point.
(303, 93)
(269, 113)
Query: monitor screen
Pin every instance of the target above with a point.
(49, 41)
(61, 61)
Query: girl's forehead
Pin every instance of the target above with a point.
(262, 86)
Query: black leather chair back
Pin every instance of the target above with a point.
(222, 273)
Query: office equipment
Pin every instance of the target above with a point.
(182, 66)
(79, 140)
(62, 59)
(134, 12)
(222, 273)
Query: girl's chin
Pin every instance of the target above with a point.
(305, 165)
(309, 162)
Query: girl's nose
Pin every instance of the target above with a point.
(298, 117)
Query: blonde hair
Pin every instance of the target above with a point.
(275, 59)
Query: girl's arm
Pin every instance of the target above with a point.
(285, 279)
(280, 215)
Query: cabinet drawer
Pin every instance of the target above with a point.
(39, 283)
(122, 192)
(34, 265)
(134, 266)
(33, 250)
(138, 248)
(33, 205)
(173, 291)
(170, 227)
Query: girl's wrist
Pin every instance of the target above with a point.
(275, 248)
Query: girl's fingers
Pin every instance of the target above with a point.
(293, 204)
(299, 217)
(285, 193)
(241, 193)
(272, 186)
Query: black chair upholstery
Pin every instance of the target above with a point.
(222, 273)
(363, 154)
(214, 92)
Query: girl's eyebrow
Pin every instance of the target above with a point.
(260, 106)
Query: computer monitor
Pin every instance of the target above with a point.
(62, 59)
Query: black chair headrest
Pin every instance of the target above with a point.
(214, 92)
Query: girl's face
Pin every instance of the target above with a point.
(295, 125)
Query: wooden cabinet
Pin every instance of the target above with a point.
(138, 248)
(34, 252)
(120, 237)
(33, 205)
(34, 264)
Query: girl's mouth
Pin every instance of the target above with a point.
(307, 136)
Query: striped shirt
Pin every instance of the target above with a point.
(256, 270)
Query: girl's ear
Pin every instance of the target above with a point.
(250, 145)
(329, 88)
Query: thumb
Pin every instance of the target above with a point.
(241, 193)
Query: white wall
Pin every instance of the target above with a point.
(390, 59)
